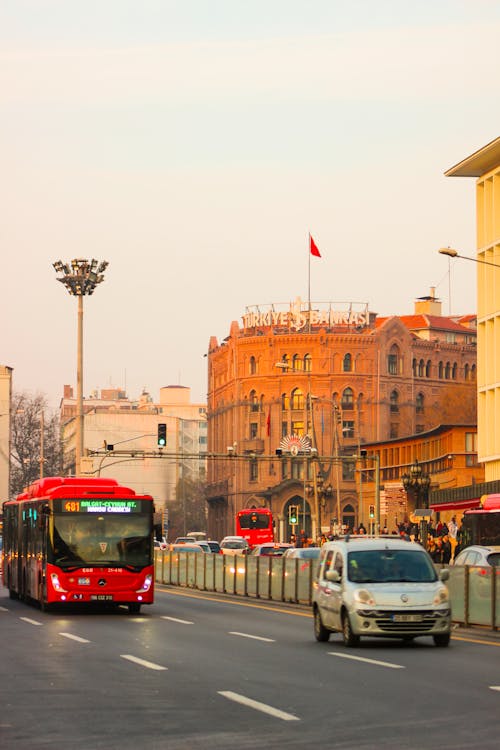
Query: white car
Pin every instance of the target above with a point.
(232, 545)
(479, 555)
(380, 588)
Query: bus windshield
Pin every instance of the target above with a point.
(78, 540)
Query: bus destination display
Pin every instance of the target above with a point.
(99, 506)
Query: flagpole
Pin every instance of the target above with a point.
(309, 283)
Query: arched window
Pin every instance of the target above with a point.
(414, 368)
(393, 360)
(297, 362)
(254, 401)
(421, 368)
(307, 363)
(394, 399)
(466, 372)
(347, 399)
(419, 403)
(473, 372)
(285, 401)
(447, 371)
(252, 365)
(297, 399)
(440, 370)
(428, 369)
(347, 363)
(454, 371)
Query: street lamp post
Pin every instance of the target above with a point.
(80, 277)
(418, 482)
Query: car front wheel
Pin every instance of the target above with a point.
(442, 640)
(320, 632)
(350, 638)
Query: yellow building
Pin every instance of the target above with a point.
(484, 165)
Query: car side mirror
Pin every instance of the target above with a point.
(444, 574)
(333, 576)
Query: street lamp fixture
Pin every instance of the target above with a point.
(80, 277)
(451, 253)
(418, 482)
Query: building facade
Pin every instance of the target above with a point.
(124, 433)
(295, 394)
(5, 408)
(484, 165)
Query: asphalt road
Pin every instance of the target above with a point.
(201, 670)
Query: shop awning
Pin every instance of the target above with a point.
(474, 502)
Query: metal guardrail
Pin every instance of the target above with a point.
(474, 591)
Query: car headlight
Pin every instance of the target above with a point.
(363, 596)
(442, 596)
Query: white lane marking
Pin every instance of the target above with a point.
(142, 662)
(255, 637)
(495, 687)
(3, 609)
(31, 622)
(176, 619)
(75, 637)
(258, 706)
(368, 661)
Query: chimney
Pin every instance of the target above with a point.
(429, 305)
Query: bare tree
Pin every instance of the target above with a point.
(35, 448)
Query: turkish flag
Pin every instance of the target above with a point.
(313, 248)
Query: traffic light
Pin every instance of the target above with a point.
(162, 435)
(372, 511)
(293, 515)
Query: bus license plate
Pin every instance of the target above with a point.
(407, 618)
(101, 597)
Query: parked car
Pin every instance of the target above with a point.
(232, 545)
(380, 587)
(204, 545)
(271, 549)
(304, 553)
(214, 546)
(478, 555)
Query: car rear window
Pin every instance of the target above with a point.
(494, 558)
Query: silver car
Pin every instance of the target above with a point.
(380, 587)
(479, 555)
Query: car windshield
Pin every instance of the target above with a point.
(390, 566)
(276, 551)
(234, 545)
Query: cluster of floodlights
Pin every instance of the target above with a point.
(81, 276)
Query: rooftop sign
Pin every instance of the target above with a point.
(295, 315)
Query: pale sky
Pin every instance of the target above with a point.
(193, 144)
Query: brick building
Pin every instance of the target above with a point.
(318, 383)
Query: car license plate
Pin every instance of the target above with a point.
(407, 618)
(101, 597)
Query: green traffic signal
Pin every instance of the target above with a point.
(162, 435)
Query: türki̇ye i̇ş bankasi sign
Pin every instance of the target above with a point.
(297, 315)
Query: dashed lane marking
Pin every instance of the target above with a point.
(176, 619)
(258, 706)
(142, 662)
(75, 637)
(368, 661)
(31, 622)
(255, 637)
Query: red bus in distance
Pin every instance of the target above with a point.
(256, 525)
(70, 540)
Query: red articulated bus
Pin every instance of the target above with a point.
(482, 525)
(70, 540)
(256, 525)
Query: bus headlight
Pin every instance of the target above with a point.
(56, 583)
(147, 584)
